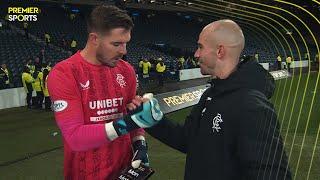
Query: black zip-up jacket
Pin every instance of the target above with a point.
(232, 133)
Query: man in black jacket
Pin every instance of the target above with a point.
(232, 133)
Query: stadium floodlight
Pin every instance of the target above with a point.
(190, 3)
(152, 1)
(177, 2)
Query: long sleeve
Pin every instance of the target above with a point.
(177, 135)
(171, 134)
(69, 114)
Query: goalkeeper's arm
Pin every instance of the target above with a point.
(82, 137)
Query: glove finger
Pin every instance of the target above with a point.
(156, 113)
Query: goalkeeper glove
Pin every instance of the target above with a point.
(145, 116)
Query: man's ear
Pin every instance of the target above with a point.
(93, 38)
(221, 50)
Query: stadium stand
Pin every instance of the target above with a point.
(169, 29)
(15, 50)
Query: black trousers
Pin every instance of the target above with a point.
(39, 99)
(279, 65)
(160, 78)
(29, 97)
(47, 103)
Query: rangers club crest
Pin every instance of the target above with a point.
(216, 121)
(121, 81)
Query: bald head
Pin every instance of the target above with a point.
(225, 33)
(219, 47)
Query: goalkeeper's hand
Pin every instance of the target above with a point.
(144, 116)
(140, 154)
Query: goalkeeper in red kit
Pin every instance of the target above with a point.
(91, 91)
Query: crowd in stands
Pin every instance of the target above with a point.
(61, 28)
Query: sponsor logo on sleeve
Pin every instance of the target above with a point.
(59, 105)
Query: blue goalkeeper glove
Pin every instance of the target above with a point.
(145, 116)
(140, 150)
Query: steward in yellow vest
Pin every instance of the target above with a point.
(27, 81)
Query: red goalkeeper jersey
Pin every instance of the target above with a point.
(85, 97)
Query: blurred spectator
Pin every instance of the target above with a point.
(256, 56)
(7, 76)
(306, 56)
(47, 38)
(186, 64)
(42, 56)
(26, 29)
(145, 65)
(46, 66)
(288, 61)
(27, 81)
(73, 46)
(37, 86)
(194, 62)
(279, 61)
(30, 65)
(153, 63)
(181, 62)
(47, 101)
(160, 69)
(316, 57)
(2, 79)
(140, 70)
(37, 64)
(190, 63)
(72, 17)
